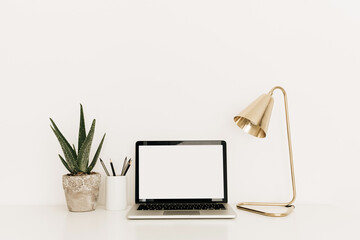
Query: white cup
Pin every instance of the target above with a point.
(116, 197)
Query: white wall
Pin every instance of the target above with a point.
(181, 70)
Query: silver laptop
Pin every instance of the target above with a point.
(180, 179)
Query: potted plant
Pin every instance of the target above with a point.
(81, 185)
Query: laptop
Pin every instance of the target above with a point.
(180, 179)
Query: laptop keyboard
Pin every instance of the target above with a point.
(182, 206)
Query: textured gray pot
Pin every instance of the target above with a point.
(81, 192)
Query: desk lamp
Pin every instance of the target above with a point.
(255, 120)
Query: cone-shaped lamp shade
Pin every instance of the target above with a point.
(256, 117)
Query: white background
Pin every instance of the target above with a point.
(181, 171)
(181, 70)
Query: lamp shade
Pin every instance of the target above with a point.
(256, 117)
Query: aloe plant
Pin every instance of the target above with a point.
(77, 162)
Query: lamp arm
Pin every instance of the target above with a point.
(289, 141)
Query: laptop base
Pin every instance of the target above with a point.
(134, 214)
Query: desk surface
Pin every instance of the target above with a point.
(306, 222)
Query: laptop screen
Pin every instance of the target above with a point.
(181, 171)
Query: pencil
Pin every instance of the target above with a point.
(112, 168)
(124, 166)
(128, 166)
(105, 169)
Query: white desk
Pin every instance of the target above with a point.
(306, 222)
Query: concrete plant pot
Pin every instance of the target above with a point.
(81, 191)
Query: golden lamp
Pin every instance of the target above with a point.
(255, 120)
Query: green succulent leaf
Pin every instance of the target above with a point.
(74, 148)
(93, 162)
(83, 157)
(57, 132)
(82, 130)
(66, 165)
(68, 151)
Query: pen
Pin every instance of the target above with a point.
(105, 169)
(112, 168)
(128, 166)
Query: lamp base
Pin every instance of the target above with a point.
(290, 208)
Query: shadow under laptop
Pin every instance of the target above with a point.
(181, 229)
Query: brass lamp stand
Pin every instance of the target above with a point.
(255, 120)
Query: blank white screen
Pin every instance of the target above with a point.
(181, 171)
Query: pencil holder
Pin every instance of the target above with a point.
(116, 197)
